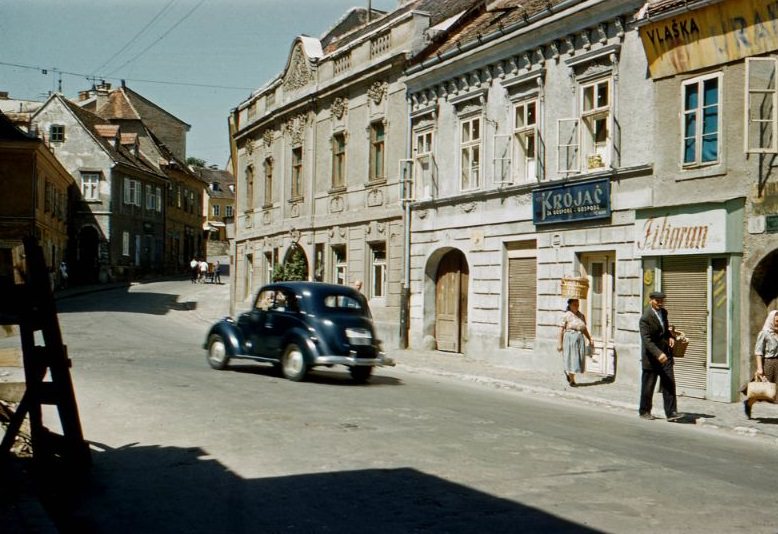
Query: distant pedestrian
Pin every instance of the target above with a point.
(571, 344)
(203, 270)
(358, 285)
(766, 354)
(217, 277)
(658, 340)
(194, 269)
(63, 274)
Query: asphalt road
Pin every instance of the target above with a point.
(178, 447)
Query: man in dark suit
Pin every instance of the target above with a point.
(657, 358)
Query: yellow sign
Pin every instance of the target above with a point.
(713, 35)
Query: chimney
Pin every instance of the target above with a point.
(3, 95)
(102, 91)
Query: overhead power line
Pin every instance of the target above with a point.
(45, 70)
(137, 35)
(173, 27)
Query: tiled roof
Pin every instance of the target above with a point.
(118, 106)
(223, 178)
(107, 130)
(120, 154)
(129, 138)
(658, 7)
(483, 20)
(439, 10)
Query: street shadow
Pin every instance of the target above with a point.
(318, 375)
(121, 300)
(691, 418)
(601, 382)
(766, 420)
(171, 489)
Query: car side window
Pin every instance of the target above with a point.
(284, 301)
(264, 300)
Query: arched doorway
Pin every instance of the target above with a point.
(451, 285)
(764, 293)
(87, 266)
(295, 263)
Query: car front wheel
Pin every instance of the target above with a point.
(217, 352)
(360, 375)
(293, 363)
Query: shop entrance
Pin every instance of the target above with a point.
(600, 269)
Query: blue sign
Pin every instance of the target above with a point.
(580, 201)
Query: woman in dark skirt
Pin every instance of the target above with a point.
(766, 353)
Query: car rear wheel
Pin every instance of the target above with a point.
(360, 375)
(293, 363)
(217, 352)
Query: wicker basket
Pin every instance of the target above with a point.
(575, 287)
(681, 342)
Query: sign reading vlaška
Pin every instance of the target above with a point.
(712, 35)
(578, 201)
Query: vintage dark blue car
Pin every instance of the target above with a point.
(299, 325)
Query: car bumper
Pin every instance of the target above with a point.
(382, 360)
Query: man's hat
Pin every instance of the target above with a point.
(656, 295)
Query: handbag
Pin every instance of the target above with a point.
(762, 390)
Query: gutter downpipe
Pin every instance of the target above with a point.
(405, 289)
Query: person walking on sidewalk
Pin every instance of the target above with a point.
(571, 340)
(766, 353)
(194, 269)
(657, 340)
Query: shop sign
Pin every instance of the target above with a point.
(572, 202)
(687, 233)
(712, 35)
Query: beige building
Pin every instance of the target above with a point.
(317, 154)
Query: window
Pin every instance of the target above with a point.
(377, 139)
(701, 120)
(470, 153)
(425, 165)
(339, 160)
(47, 197)
(150, 198)
(341, 267)
(90, 185)
(228, 210)
(125, 243)
(378, 270)
(586, 144)
(132, 192)
(159, 199)
(297, 173)
(595, 115)
(761, 105)
(56, 133)
(525, 134)
(216, 210)
(249, 187)
(269, 182)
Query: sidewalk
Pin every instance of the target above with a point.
(592, 390)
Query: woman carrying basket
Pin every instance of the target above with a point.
(766, 352)
(571, 340)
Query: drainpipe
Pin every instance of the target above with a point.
(405, 289)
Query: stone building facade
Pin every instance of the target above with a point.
(316, 159)
(532, 144)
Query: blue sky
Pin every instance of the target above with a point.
(234, 45)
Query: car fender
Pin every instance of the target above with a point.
(305, 340)
(230, 333)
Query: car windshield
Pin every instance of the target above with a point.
(343, 303)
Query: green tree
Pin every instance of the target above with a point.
(195, 162)
(295, 266)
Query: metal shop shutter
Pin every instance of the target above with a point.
(685, 284)
(522, 300)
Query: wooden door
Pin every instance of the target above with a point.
(599, 308)
(450, 301)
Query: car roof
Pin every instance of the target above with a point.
(315, 288)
